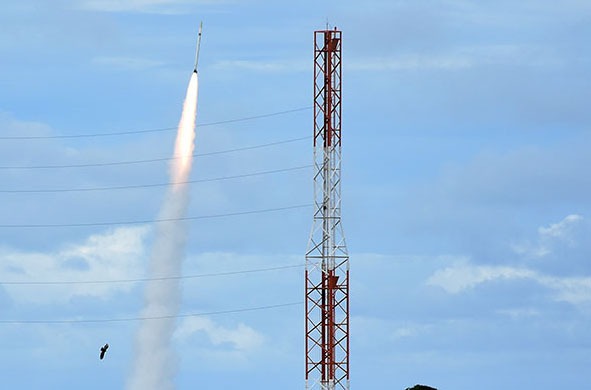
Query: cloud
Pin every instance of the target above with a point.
(392, 331)
(114, 254)
(127, 63)
(574, 288)
(460, 278)
(146, 6)
(460, 58)
(274, 66)
(562, 229)
(12, 127)
(562, 232)
(242, 338)
(481, 203)
(527, 13)
(456, 279)
(224, 345)
(411, 62)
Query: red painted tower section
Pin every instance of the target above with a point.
(327, 260)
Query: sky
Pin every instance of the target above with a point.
(466, 210)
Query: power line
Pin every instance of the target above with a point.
(157, 184)
(256, 116)
(129, 132)
(137, 222)
(179, 277)
(129, 319)
(129, 162)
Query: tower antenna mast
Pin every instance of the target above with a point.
(327, 259)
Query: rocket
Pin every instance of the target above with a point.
(198, 44)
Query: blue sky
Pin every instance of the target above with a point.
(466, 137)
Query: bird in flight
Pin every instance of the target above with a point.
(103, 350)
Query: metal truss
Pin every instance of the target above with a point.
(327, 259)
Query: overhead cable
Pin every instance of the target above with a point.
(156, 184)
(129, 162)
(129, 132)
(129, 319)
(178, 277)
(137, 222)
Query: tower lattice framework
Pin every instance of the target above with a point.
(327, 259)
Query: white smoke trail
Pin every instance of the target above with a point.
(155, 362)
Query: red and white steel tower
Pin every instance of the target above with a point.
(327, 260)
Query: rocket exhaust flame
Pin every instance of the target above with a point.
(154, 365)
(184, 146)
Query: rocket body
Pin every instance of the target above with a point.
(198, 44)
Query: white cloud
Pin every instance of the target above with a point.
(14, 127)
(412, 62)
(456, 279)
(460, 58)
(574, 290)
(561, 229)
(561, 232)
(519, 313)
(115, 254)
(408, 331)
(459, 278)
(146, 6)
(241, 338)
(275, 66)
(127, 63)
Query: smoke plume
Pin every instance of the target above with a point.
(155, 362)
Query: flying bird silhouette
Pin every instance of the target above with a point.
(103, 350)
